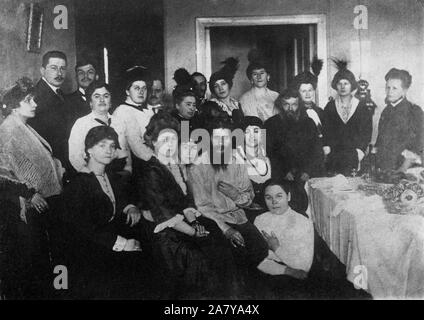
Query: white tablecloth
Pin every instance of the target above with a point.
(383, 252)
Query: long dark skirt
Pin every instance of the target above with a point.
(26, 269)
(195, 268)
(96, 272)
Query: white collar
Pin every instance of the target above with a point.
(396, 103)
(353, 106)
(81, 90)
(54, 88)
(93, 115)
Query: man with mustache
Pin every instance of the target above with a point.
(52, 121)
(294, 147)
(85, 71)
(53, 117)
(158, 97)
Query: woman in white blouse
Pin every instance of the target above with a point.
(299, 263)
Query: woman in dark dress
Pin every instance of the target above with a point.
(196, 260)
(348, 125)
(105, 243)
(400, 141)
(305, 84)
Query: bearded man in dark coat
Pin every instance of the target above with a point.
(294, 147)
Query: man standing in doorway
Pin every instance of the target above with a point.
(259, 100)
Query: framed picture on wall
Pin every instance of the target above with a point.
(34, 27)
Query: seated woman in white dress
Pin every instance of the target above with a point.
(299, 263)
(290, 235)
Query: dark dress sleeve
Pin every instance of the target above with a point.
(164, 201)
(327, 125)
(365, 131)
(11, 191)
(276, 148)
(417, 127)
(314, 160)
(83, 213)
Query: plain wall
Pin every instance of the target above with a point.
(395, 33)
(15, 61)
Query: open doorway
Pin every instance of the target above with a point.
(291, 42)
(289, 49)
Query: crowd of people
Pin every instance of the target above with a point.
(186, 196)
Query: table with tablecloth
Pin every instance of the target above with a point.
(383, 252)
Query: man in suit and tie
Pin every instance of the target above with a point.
(52, 122)
(52, 118)
(86, 73)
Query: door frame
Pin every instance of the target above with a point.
(203, 42)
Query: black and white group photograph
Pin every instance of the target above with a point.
(211, 151)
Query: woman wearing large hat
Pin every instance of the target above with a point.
(348, 124)
(220, 85)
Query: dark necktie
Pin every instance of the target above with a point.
(109, 121)
(60, 94)
(141, 108)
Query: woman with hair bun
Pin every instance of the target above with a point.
(184, 98)
(259, 100)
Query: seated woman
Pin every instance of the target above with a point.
(104, 246)
(254, 157)
(299, 263)
(30, 181)
(192, 256)
(220, 85)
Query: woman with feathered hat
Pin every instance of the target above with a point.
(348, 124)
(220, 84)
(185, 100)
